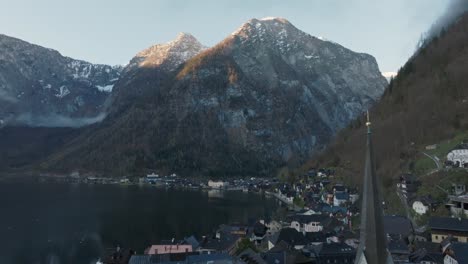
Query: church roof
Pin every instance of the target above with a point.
(373, 241)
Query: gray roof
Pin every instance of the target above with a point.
(140, 259)
(373, 242)
(461, 252)
(396, 224)
(219, 258)
(305, 219)
(448, 223)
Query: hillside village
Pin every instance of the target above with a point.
(321, 225)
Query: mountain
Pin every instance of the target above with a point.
(267, 96)
(152, 65)
(40, 87)
(425, 104)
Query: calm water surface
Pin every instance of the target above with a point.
(64, 223)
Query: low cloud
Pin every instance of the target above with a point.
(54, 120)
(454, 10)
(4, 96)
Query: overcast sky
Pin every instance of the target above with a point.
(113, 31)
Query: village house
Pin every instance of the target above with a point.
(408, 185)
(353, 195)
(444, 227)
(168, 249)
(259, 232)
(424, 204)
(218, 184)
(339, 188)
(458, 189)
(459, 156)
(340, 198)
(458, 205)
(308, 223)
(330, 253)
(291, 237)
(152, 178)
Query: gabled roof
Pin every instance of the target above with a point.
(251, 257)
(205, 258)
(292, 237)
(305, 219)
(140, 259)
(461, 252)
(398, 247)
(396, 224)
(314, 237)
(259, 229)
(460, 146)
(336, 249)
(275, 257)
(191, 240)
(341, 196)
(423, 255)
(173, 257)
(448, 223)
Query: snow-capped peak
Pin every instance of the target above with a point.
(172, 54)
(265, 28)
(276, 19)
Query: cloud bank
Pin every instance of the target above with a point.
(454, 10)
(54, 120)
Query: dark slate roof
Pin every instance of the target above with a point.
(334, 209)
(191, 240)
(398, 247)
(250, 256)
(275, 257)
(140, 259)
(421, 255)
(205, 258)
(461, 146)
(347, 234)
(281, 246)
(315, 237)
(171, 258)
(448, 223)
(332, 224)
(328, 249)
(427, 200)
(395, 224)
(292, 237)
(461, 252)
(305, 219)
(342, 196)
(339, 188)
(428, 246)
(259, 229)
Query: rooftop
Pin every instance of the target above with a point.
(447, 223)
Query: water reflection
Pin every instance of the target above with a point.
(59, 223)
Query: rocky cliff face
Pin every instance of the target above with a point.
(266, 96)
(40, 87)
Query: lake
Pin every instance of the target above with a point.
(66, 223)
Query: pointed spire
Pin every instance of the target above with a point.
(373, 241)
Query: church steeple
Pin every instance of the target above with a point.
(373, 241)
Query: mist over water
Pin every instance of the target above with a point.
(55, 120)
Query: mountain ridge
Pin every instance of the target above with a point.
(39, 85)
(242, 107)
